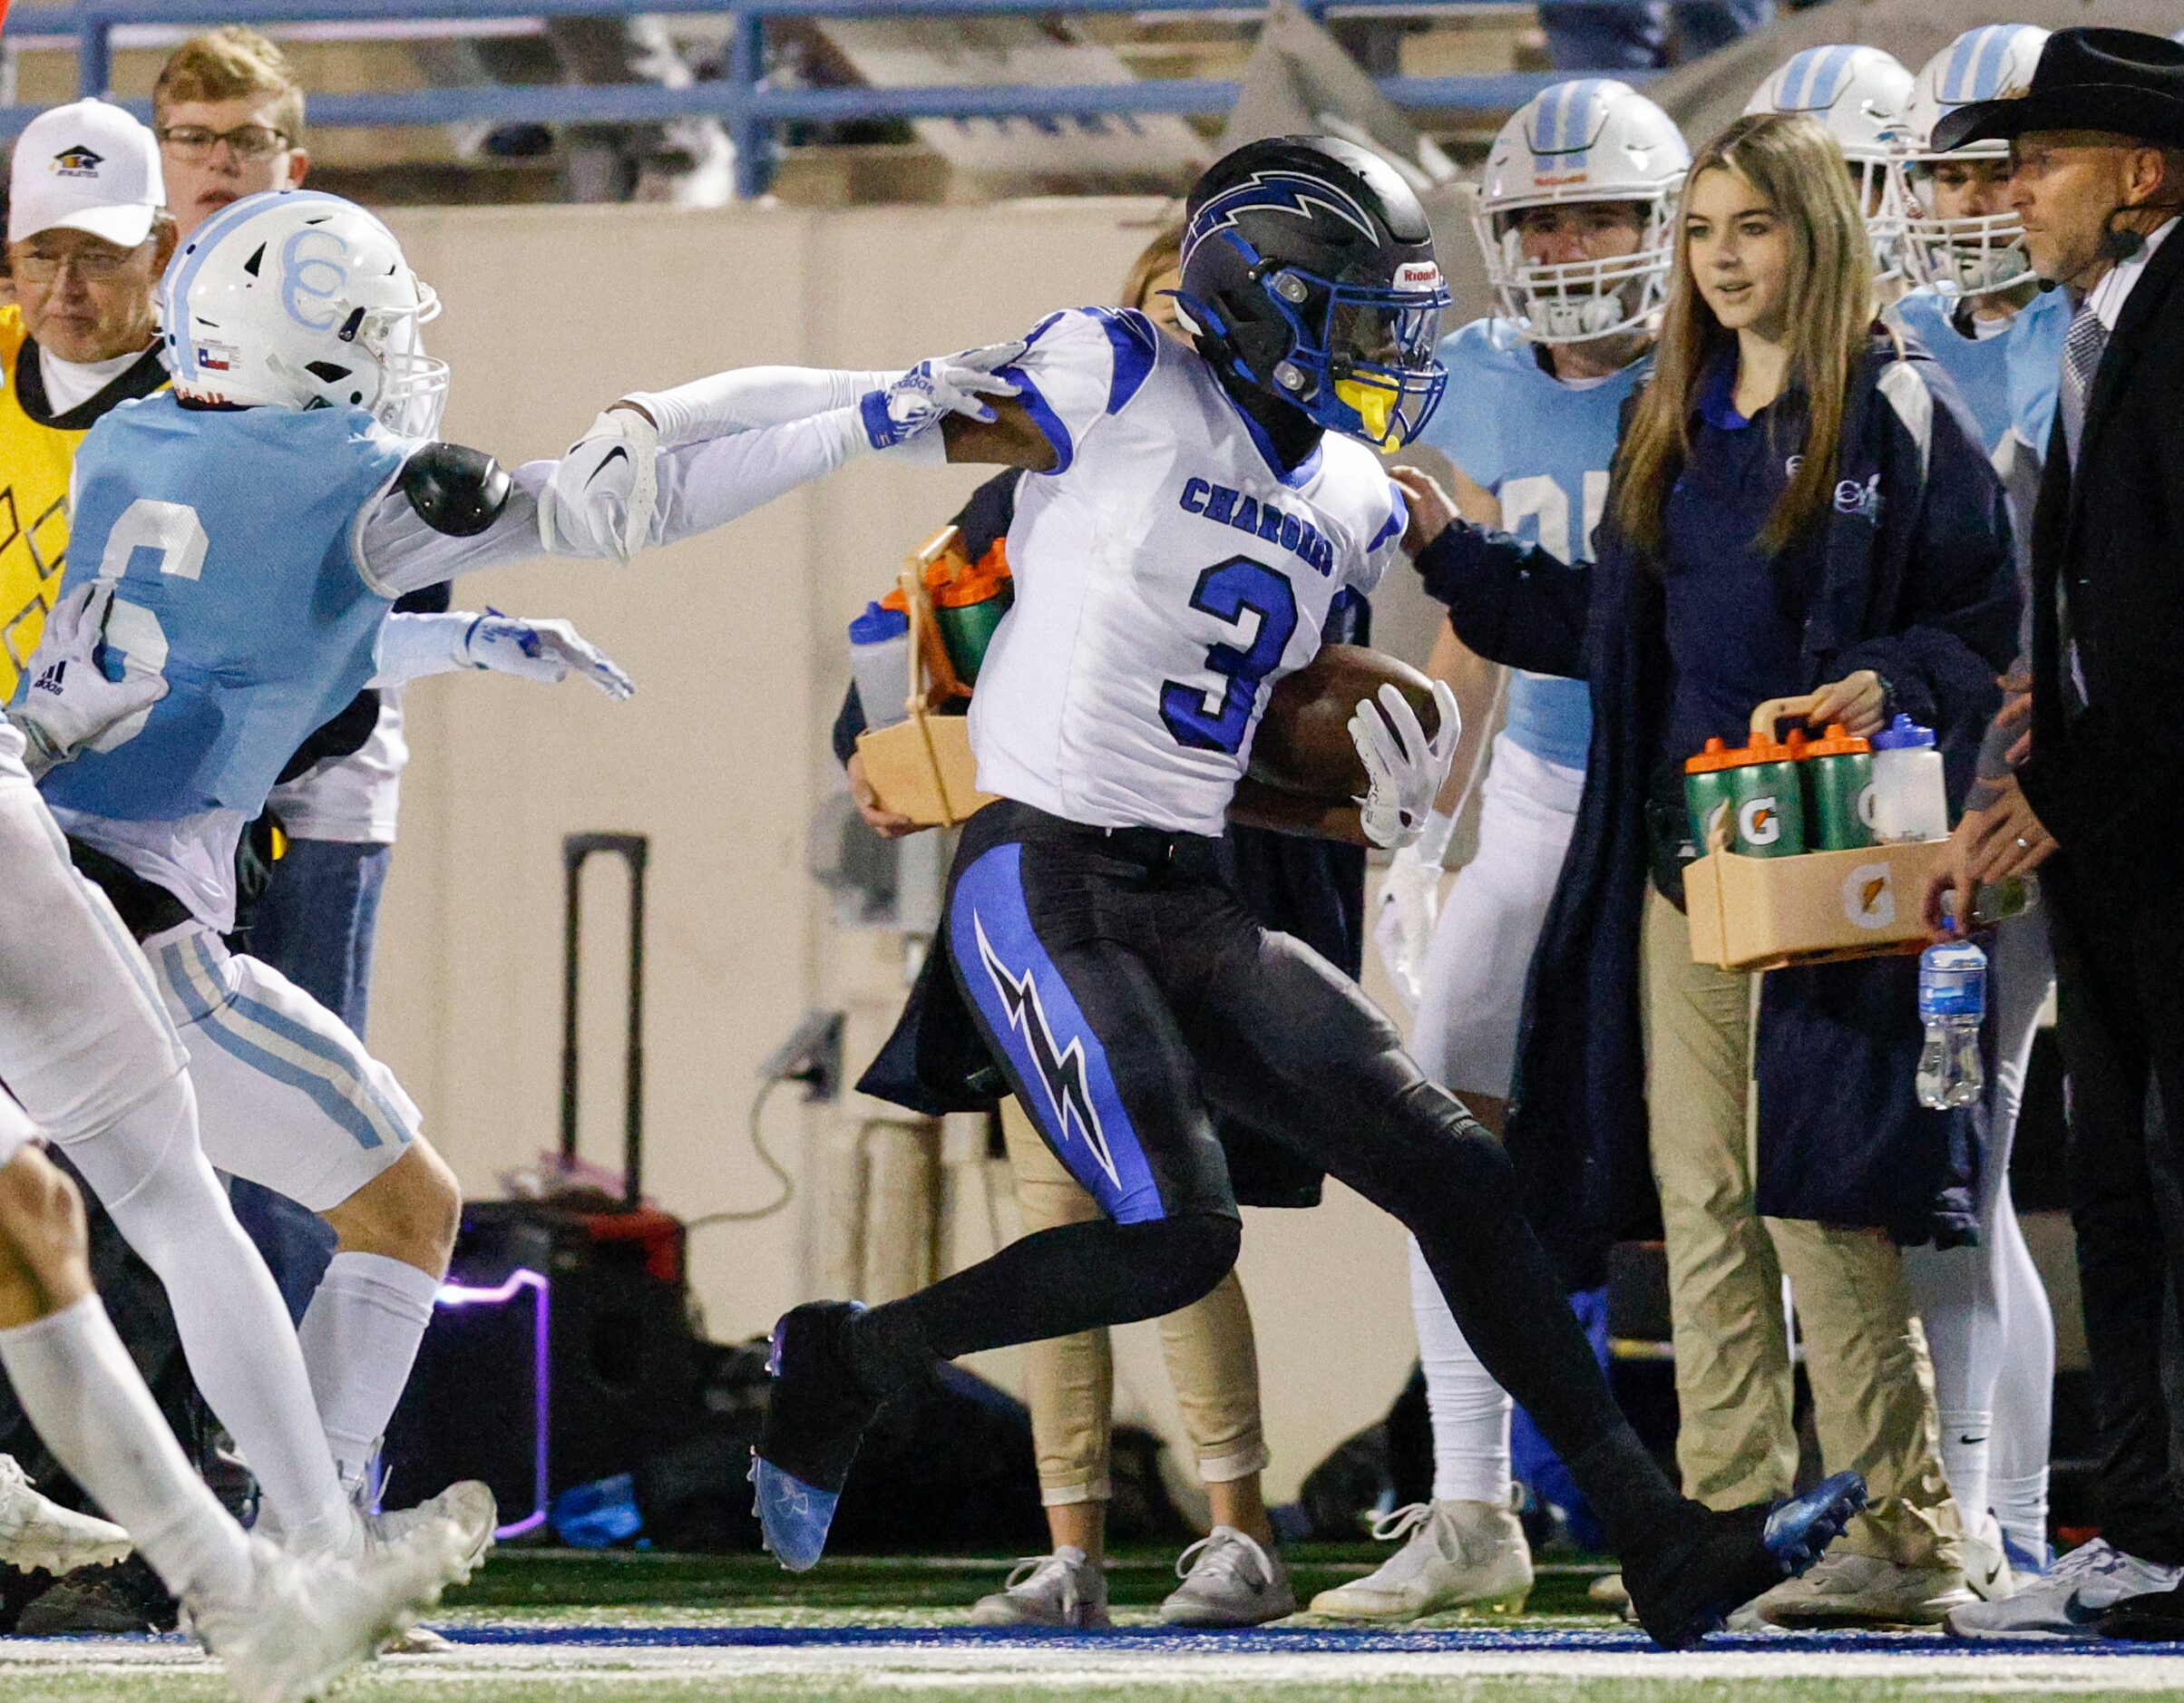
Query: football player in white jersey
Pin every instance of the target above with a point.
(1576, 216)
(79, 1014)
(1980, 312)
(1858, 95)
(293, 471)
(1194, 513)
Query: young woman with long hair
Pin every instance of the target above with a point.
(1798, 506)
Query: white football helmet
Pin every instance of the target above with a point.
(1859, 94)
(299, 299)
(1958, 257)
(1591, 139)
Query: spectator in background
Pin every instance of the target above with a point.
(229, 115)
(1584, 38)
(2095, 799)
(1315, 889)
(1796, 507)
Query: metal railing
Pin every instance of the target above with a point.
(750, 110)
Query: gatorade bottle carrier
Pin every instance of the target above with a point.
(1765, 911)
(921, 767)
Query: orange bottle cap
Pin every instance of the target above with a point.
(1721, 755)
(978, 583)
(1838, 742)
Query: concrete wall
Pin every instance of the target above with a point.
(736, 642)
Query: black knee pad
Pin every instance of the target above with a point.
(1182, 1258)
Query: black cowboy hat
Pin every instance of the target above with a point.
(2124, 82)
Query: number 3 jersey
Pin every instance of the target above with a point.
(1168, 572)
(230, 534)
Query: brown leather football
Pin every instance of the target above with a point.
(1303, 745)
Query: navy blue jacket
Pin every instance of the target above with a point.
(1920, 589)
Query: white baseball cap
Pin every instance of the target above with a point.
(86, 166)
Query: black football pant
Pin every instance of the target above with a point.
(1124, 992)
(2120, 1011)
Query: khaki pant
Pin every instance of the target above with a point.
(1864, 1352)
(1069, 1381)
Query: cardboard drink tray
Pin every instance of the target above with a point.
(923, 768)
(1816, 908)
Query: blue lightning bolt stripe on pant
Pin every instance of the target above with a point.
(1057, 1062)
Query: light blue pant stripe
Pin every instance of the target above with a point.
(238, 1026)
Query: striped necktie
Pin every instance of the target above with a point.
(2082, 346)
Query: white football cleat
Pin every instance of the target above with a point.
(1987, 1572)
(468, 1506)
(306, 1620)
(2068, 1601)
(1468, 1555)
(36, 1534)
(1847, 1589)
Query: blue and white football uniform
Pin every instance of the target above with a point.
(1542, 447)
(1169, 570)
(2008, 379)
(1167, 573)
(257, 553)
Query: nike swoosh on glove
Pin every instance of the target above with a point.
(604, 493)
(947, 383)
(546, 651)
(71, 703)
(1404, 770)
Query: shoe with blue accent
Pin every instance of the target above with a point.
(1687, 1581)
(814, 1421)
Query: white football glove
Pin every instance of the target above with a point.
(548, 651)
(71, 703)
(1404, 770)
(602, 496)
(1410, 904)
(948, 384)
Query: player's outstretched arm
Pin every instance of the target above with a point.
(412, 646)
(656, 467)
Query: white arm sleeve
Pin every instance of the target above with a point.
(701, 486)
(412, 646)
(752, 396)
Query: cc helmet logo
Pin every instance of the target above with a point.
(311, 277)
(1759, 823)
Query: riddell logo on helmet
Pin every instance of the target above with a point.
(1558, 179)
(1418, 275)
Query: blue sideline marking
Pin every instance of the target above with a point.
(1263, 1641)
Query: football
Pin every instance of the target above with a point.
(1303, 745)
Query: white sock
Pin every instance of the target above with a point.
(2021, 1504)
(1965, 1437)
(84, 1395)
(1471, 1411)
(360, 1339)
(150, 1171)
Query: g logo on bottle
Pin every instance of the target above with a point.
(1759, 823)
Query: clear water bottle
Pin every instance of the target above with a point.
(1952, 1003)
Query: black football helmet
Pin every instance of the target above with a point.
(1308, 271)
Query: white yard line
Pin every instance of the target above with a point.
(969, 1667)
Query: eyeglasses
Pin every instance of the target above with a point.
(194, 143)
(94, 265)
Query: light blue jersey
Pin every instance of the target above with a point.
(230, 532)
(1543, 448)
(2008, 380)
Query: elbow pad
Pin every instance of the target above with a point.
(456, 491)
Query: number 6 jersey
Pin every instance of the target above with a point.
(1167, 573)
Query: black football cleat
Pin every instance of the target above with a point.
(815, 1420)
(1686, 1583)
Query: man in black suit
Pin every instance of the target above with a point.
(2096, 795)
